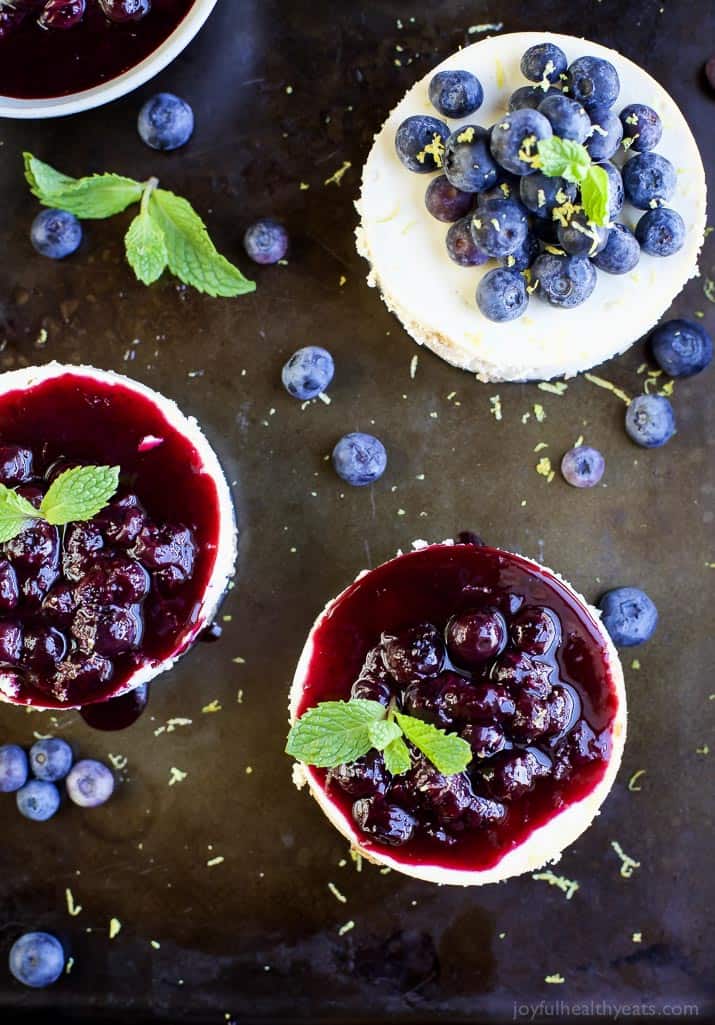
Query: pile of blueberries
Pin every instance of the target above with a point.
(66, 14)
(502, 207)
(492, 676)
(88, 783)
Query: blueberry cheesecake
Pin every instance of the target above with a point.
(117, 533)
(532, 207)
(459, 714)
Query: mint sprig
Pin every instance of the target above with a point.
(77, 494)
(447, 752)
(167, 231)
(15, 513)
(564, 158)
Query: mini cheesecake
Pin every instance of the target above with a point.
(434, 298)
(493, 647)
(93, 609)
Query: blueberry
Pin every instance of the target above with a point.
(62, 14)
(525, 255)
(514, 140)
(122, 520)
(567, 118)
(661, 232)
(500, 228)
(629, 615)
(543, 61)
(534, 630)
(475, 637)
(541, 195)
(642, 128)
(360, 459)
(681, 347)
(419, 142)
(468, 162)
(387, 823)
(446, 202)
(165, 122)
(56, 234)
(531, 717)
(362, 778)
(485, 739)
(51, 759)
(38, 800)
(11, 642)
(158, 548)
(621, 252)
(583, 466)
(511, 775)
(564, 281)
(455, 93)
(414, 653)
(581, 237)
(13, 768)
(9, 588)
(37, 959)
(15, 464)
(615, 189)
(502, 295)
(650, 420)
(308, 372)
(266, 241)
(461, 245)
(605, 138)
(594, 82)
(530, 96)
(648, 179)
(123, 11)
(89, 783)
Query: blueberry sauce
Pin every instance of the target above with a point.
(479, 642)
(83, 607)
(117, 713)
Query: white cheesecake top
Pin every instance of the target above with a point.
(435, 298)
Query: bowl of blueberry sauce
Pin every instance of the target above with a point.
(493, 647)
(62, 56)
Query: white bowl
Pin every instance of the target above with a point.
(59, 106)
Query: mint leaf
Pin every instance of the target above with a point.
(397, 757)
(15, 512)
(92, 198)
(79, 493)
(334, 732)
(594, 195)
(447, 752)
(383, 732)
(146, 248)
(563, 158)
(192, 255)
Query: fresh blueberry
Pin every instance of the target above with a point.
(581, 237)
(541, 195)
(681, 347)
(504, 192)
(446, 202)
(544, 61)
(56, 234)
(661, 232)
(615, 189)
(621, 252)
(455, 93)
(525, 255)
(266, 241)
(583, 466)
(642, 128)
(502, 295)
(629, 615)
(51, 759)
(89, 783)
(567, 118)
(37, 959)
(650, 420)
(594, 82)
(38, 800)
(468, 162)
(419, 142)
(461, 245)
(500, 228)
(514, 140)
(530, 96)
(564, 281)
(165, 122)
(606, 136)
(648, 179)
(360, 459)
(308, 372)
(13, 768)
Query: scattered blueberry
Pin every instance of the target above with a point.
(502, 295)
(661, 232)
(581, 237)
(681, 347)
(89, 783)
(51, 759)
(642, 128)
(615, 189)
(36, 959)
(455, 94)
(564, 281)
(525, 255)
(461, 245)
(38, 800)
(544, 61)
(514, 140)
(501, 228)
(629, 615)
(360, 459)
(165, 122)
(606, 136)
(583, 466)
(541, 195)
(419, 142)
(594, 82)
(56, 234)
(650, 420)
(621, 252)
(530, 96)
(445, 201)
(14, 769)
(567, 118)
(266, 241)
(648, 179)
(468, 162)
(308, 372)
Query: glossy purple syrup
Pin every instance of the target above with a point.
(117, 713)
(37, 62)
(431, 586)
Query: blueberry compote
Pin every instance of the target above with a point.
(83, 607)
(484, 644)
(56, 47)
